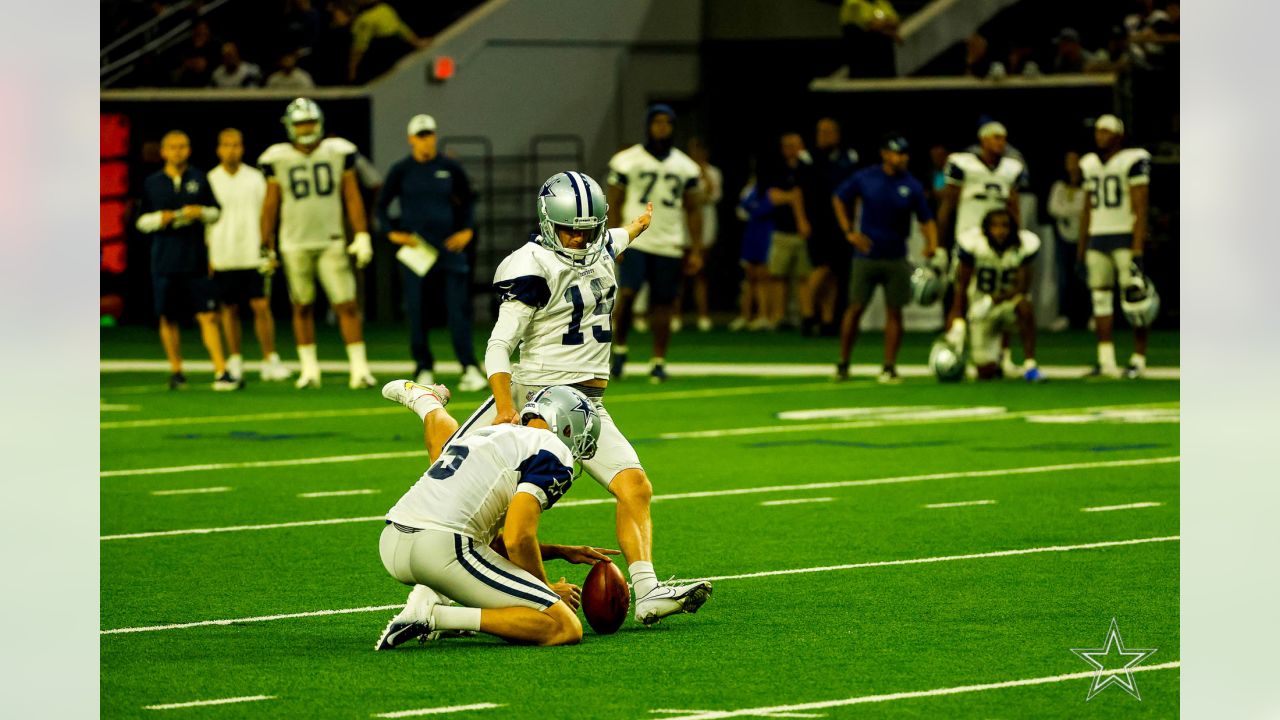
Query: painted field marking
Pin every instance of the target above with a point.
(191, 491)
(220, 701)
(764, 711)
(338, 493)
(266, 463)
(663, 711)
(767, 573)
(117, 407)
(860, 424)
(797, 501)
(891, 412)
(469, 404)
(966, 503)
(1130, 506)
(709, 493)
(440, 710)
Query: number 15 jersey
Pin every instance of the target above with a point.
(647, 179)
(310, 191)
(569, 329)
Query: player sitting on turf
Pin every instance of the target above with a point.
(993, 283)
(557, 292)
(468, 529)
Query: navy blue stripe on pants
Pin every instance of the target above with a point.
(466, 560)
(457, 300)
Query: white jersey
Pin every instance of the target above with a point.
(310, 191)
(993, 271)
(568, 336)
(235, 240)
(1109, 185)
(468, 489)
(711, 197)
(982, 188)
(663, 182)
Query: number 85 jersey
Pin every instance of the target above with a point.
(994, 271)
(310, 191)
(559, 313)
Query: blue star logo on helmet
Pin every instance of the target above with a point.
(546, 191)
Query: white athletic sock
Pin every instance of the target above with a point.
(643, 579)
(1138, 361)
(235, 366)
(307, 358)
(424, 404)
(1006, 356)
(446, 617)
(658, 361)
(619, 349)
(356, 356)
(1106, 355)
(1029, 364)
(273, 359)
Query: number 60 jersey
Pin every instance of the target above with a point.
(562, 312)
(310, 191)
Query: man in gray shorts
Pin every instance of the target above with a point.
(888, 197)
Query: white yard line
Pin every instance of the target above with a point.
(794, 571)
(220, 701)
(864, 699)
(191, 491)
(1130, 506)
(782, 427)
(797, 501)
(966, 503)
(338, 493)
(440, 710)
(117, 407)
(637, 369)
(712, 493)
(267, 463)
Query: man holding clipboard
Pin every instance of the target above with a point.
(433, 230)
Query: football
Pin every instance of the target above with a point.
(606, 597)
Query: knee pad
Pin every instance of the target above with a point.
(1103, 302)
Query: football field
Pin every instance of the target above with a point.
(917, 550)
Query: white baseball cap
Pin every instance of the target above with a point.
(421, 123)
(992, 128)
(1111, 123)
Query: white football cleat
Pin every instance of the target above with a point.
(407, 392)
(414, 621)
(308, 380)
(666, 600)
(472, 380)
(425, 377)
(274, 371)
(362, 380)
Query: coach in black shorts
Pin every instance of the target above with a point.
(888, 196)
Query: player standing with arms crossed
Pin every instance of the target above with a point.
(240, 270)
(310, 180)
(656, 173)
(1113, 231)
(557, 294)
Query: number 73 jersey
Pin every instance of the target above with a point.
(646, 179)
(993, 271)
(310, 191)
(1109, 185)
(571, 329)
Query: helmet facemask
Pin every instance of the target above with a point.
(302, 111)
(572, 200)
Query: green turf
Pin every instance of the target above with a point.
(765, 641)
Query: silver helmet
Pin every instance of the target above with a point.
(946, 362)
(569, 415)
(300, 111)
(1139, 299)
(573, 200)
(926, 285)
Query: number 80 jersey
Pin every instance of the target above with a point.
(310, 191)
(571, 329)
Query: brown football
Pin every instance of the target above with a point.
(605, 598)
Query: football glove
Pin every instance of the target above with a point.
(981, 308)
(955, 334)
(362, 248)
(267, 265)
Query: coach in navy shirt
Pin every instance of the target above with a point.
(435, 206)
(888, 197)
(176, 203)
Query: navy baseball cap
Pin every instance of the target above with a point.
(659, 109)
(895, 142)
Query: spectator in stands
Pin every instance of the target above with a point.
(884, 198)
(976, 62)
(199, 57)
(234, 72)
(755, 208)
(710, 187)
(300, 27)
(1154, 38)
(378, 39)
(1114, 57)
(176, 204)
(870, 29)
(1070, 57)
(290, 75)
(1066, 204)
(829, 253)
(1021, 59)
(788, 250)
(329, 59)
(436, 209)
